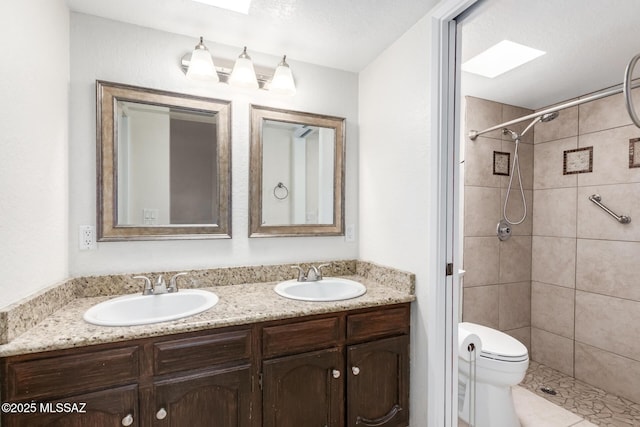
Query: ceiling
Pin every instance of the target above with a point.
(588, 42)
(588, 45)
(342, 34)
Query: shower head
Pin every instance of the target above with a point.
(542, 118)
(514, 135)
(549, 116)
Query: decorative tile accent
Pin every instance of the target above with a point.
(501, 161)
(579, 160)
(634, 153)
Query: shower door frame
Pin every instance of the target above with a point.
(445, 120)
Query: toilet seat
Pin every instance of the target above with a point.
(497, 345)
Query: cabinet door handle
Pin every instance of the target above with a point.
(335, 373)
(128, 420)
(355, 370)
(379, 421)
(161, 414)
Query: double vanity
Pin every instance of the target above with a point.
(254, 358)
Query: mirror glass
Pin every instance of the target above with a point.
(164, 165)
(296, 173)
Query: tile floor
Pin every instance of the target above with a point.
(591, 403)
(575, 404)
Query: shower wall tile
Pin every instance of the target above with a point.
(481, 305)
(515, 210)
(515, 306)
(515, 259)
(525, 153)
(609, 268)
(481, 261)
(548, 163)
(511, 112)
(610, 157)
(605, 113)
(482, 114)
(478, 162)
(554, 260)
(594, 223)
(616, 374)
(554, 212)
(552, 309)
(552, 350)
(563, 126)
(608, 323)
(523, 335)
(482, 211)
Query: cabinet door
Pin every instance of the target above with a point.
(378, 383)
(214, 398)
(304, 390)
(112, 407)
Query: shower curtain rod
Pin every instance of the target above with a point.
(625, 87)
(474, 134)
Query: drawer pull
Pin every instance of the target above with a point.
(335, 373)
(379, 421)
(355, 370)
(128, 420)
(161, 414)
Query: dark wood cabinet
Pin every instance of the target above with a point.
(304, 390)
(204, 399)
(360, 378)
(112, 407)
(331, 370)
(378, 383)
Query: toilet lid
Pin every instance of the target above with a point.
(497, 345)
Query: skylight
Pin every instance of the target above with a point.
(500, 58)
(240, 6)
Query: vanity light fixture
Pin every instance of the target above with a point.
(283, 79)
(199, 65)
(243, 74)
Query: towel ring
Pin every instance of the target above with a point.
(283, 193)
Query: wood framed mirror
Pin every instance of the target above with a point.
(296, 175)
(163, 165)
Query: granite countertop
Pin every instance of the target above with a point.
(239, 304)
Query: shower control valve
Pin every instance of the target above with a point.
(503, 230)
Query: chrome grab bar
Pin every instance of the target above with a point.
(626, 89)
(622, 219)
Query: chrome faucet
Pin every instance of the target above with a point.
(313, 275)
(160, 286)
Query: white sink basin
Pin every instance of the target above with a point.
(140, 309)
(327, 289)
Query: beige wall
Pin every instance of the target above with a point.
(497, 283)
(585, 299)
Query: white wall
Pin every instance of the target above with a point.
(149, 151)
(123, 53)
(396, 197)
(34, 79)
(277, 168)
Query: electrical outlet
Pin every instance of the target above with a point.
(350, 233)
(87, 237)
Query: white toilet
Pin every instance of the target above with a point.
(501, 364)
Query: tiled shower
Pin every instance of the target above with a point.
(567, 282)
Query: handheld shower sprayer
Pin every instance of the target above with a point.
(516, 168)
